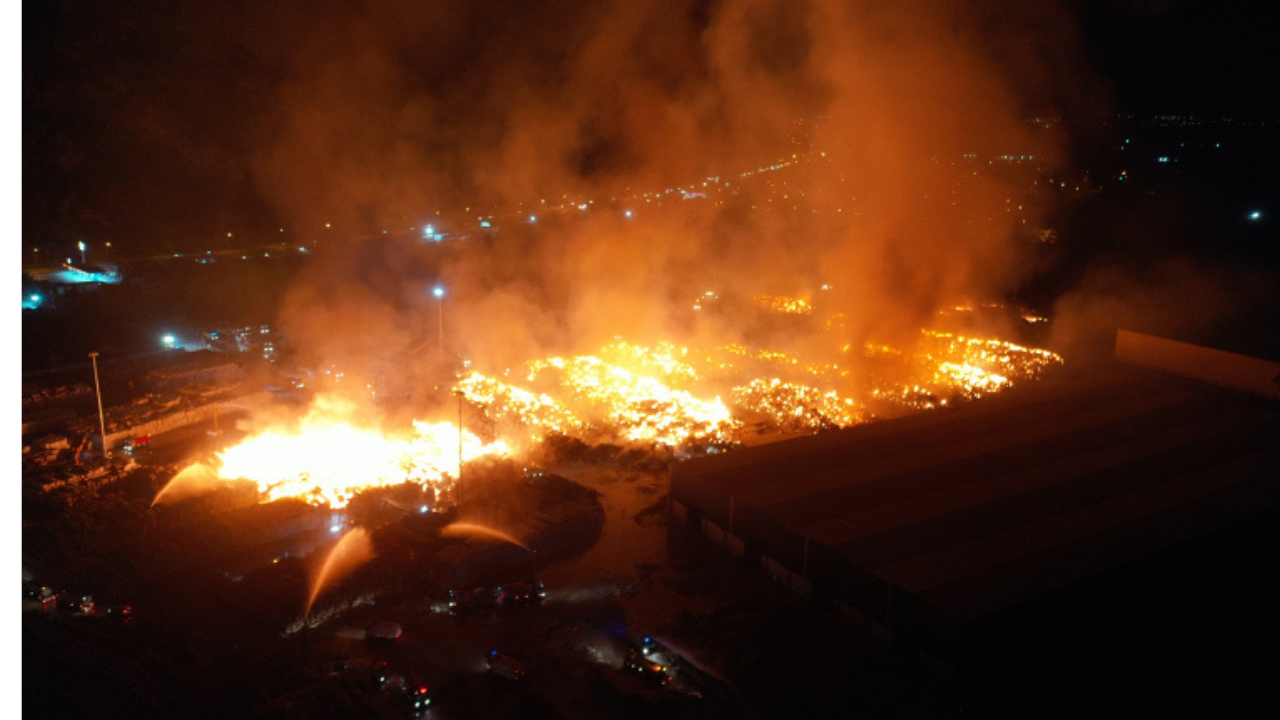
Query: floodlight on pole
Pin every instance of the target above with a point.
(102, 419)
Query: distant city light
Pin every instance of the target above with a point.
(429, 233)
(628, 213)
(533, 218)
(438, 291)
(169, 340)
(1255, 215)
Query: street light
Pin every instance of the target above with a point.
(82, 262)
(438, 291)
(102, 420)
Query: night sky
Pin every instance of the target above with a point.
(162, 126)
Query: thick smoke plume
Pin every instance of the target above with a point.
(889, 117)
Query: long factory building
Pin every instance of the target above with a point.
(929, 528)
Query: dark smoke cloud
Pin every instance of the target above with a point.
(1180, 298)
(388, 114)
(369, 116)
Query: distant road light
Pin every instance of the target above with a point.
(169, 340)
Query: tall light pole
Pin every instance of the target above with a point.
(82, 261)
(102, 419)
(438, 291)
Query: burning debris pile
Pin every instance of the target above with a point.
(951, 368)
(328, 458)
(327, 463)
(667, 395)
(662, 398)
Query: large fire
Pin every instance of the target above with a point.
(662, 396)
(671, 396)
(327, 459)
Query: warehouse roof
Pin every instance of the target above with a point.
(976, 509)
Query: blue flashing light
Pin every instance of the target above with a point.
(485, 224)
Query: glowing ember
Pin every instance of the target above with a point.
(791, 306)
(639, 409)
(508, 403)
(954, 367)
(799, 407)
(327, 462)
(656, 395)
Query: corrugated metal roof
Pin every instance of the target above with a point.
(974, 510)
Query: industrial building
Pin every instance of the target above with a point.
(206, 369)
(933, 530)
